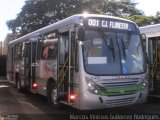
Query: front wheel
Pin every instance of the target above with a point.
(52, 95)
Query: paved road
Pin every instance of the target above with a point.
(29, 106)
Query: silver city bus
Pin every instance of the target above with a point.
(85, 61)
(152, 49)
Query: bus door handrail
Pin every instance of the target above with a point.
(63, 66)
(62, 71)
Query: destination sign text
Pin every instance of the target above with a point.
(108, 24)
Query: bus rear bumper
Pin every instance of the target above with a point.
(91, 101)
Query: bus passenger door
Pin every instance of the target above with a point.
(66, 65)
(34, 65)
(27, 64)
(30, 64)
(63, 63)
(72, 55)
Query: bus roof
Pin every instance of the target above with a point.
(75, 19)
(151, 30)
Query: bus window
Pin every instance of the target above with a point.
(45, 52)
(39, 49)
(49, 50)
(18, 51)
(64, 49)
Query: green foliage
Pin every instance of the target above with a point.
(36, 14)
(140, 19)
(121, 7)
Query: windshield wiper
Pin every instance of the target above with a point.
(128, 40)
(123, 48)
(108, 42)
(125, 44)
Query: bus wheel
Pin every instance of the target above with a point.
(18, 83)
(52, 95)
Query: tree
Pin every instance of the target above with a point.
(140, 19)
(121, 8)
(36, 14)
(156, 19)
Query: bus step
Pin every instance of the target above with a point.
(64, 102)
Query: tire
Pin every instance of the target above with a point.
(18, 83)
(52, 95)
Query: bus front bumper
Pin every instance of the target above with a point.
(90, 101)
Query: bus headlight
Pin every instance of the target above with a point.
(92, 87)
(144, 84)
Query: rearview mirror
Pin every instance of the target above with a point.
(81, 33)
(143, 36)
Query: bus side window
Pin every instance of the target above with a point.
(39, 47)
(18, 52)
(52, 50)
(45, 51)
(38, 51)
(49, 50)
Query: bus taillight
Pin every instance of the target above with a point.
(72, 97)
(35, 85)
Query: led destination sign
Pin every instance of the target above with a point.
(109, 23)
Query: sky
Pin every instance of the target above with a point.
(150, 7)
(10, 8)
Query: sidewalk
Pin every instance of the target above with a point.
(3, 79)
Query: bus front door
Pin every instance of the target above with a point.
(65, 65)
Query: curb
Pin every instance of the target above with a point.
(4, 80)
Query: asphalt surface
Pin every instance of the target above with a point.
(27, 106)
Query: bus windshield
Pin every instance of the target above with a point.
(110, 53)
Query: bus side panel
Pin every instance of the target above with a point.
(46, 70)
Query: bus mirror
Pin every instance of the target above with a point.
(143, 36)
(81, 34)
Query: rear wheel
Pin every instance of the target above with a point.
(52, 95)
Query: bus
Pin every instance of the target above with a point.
(152, 49)
(86, 61)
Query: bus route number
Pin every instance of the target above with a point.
(93, 22)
